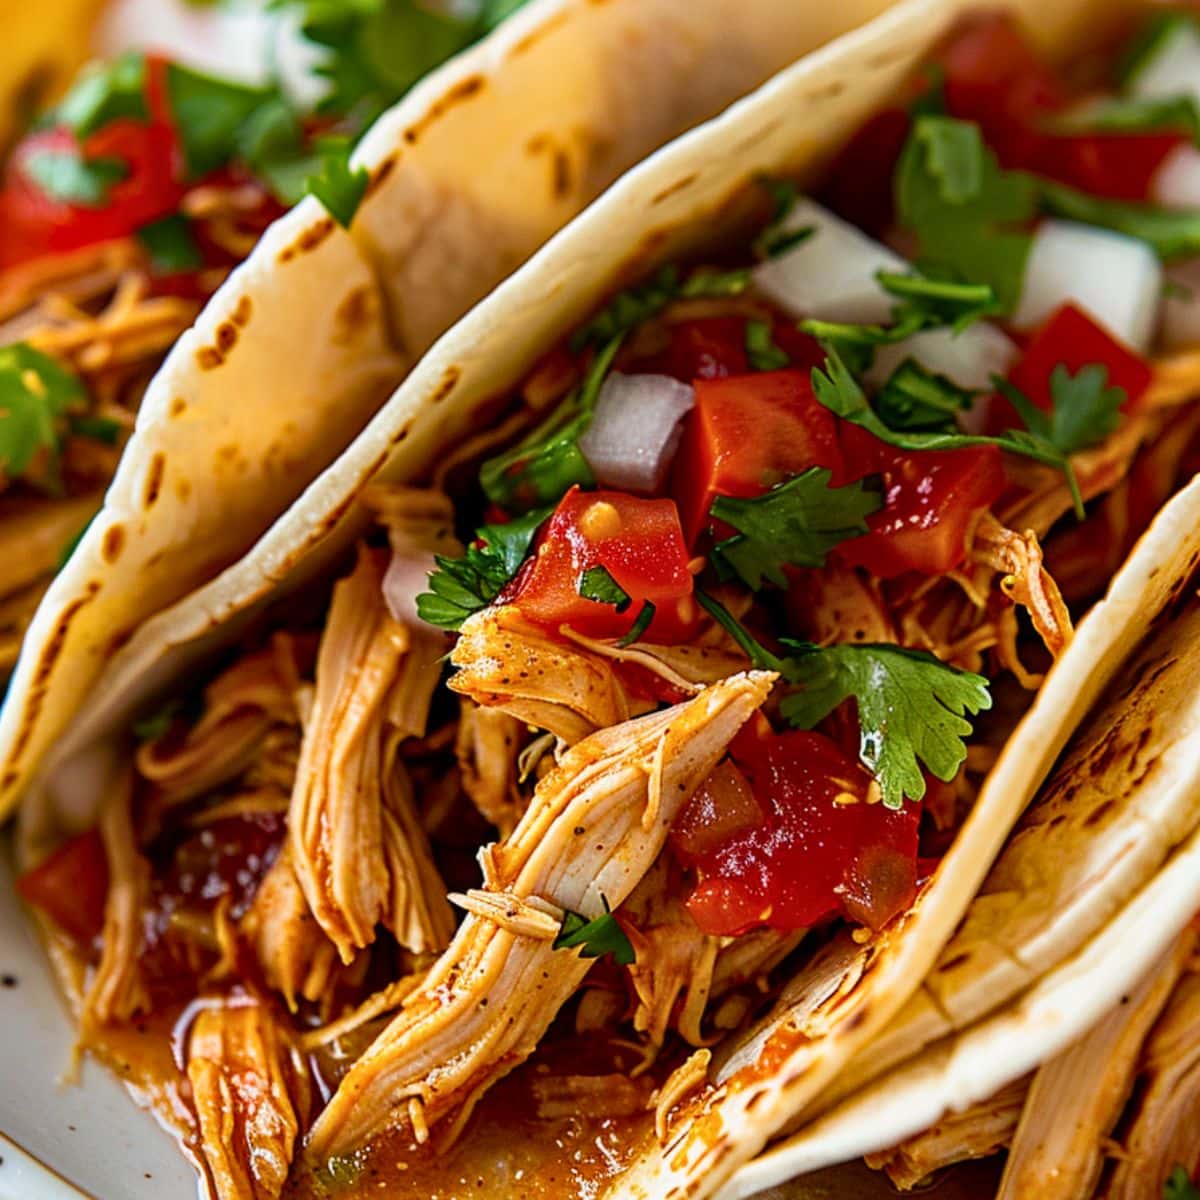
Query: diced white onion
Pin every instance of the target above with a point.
(1176, 183)
(969, 358)
(1173, 67)
(635, 430)
(1181, 306)
(830, 275)
(405, 579)
(1117, 279)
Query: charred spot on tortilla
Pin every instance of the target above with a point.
(112, 543)
(309, 240)
(154, 479)
(227, 336)
(560, 175)
(241, 312)
(183, 489)
(178, 407)
(208, 358)
(449, 382)
(678, 186)
(463, 90)
(402, 433)
(827, 91)
(534, 36)
(356, 312)
(379, 175)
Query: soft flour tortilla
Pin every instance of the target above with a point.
(476, 168)
(697, 191)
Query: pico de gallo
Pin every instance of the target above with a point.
(889, 455)
(123, 208)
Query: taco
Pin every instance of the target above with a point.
(130, 202)
(748, 527)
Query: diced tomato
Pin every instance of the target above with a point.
(724, 805)
(1117, 165)
(708, 348)
(746, 434)
(820, 847)
(993, 76)
(932, 499)
(637, 541)
(1070, 338)
(70, 887)
(858, 185)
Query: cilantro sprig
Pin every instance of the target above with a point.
(912, 708)
(1179, 1186)
(66, 175)
(462, 586)
(600, 936)
(796, 523)
(597, 583)
(1084, 412)
(38, 395)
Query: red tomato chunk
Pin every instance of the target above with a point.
(788, 837)
(70, 886)
(637, 541)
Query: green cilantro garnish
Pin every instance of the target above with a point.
(338, 187)
(761, 351)
(597, 583)
(170, 244)
(209, 114)
(1134, 114)
(965, 210)
(1149, 40)
(775, 239)
(271, 142)
(636, 305)
(105, 92)
(548, 461)
(1171, 233)
(99, 429)
(67, 176)
(1087, 416)
(911, 706)
(602, 935)
(154, 724)
(797, 523)
(638, 628)
(462, 586)
(917, 399)
(1180, 1186)
(37, 393)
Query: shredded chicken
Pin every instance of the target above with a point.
(487, 1001)
(567, 684)
(250, 1092)
(680, 1084)
(488, 749)
(976, 1132)
(558, 1096)
(1075, 1098)
(118, 989)
(358, 848)
(1018, 557)
(1162, 1129)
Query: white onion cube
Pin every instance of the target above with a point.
(969, 358)
(830, 276)
(1116, 279)
(1176, 183)
(635, 430)
(1173, 68)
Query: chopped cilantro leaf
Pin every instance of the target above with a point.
(36, 394)
(1134, 114)
(154, 724)
(910, 707)
(761, 351)
(1179, 1186)
(271, 143)
(602, 935)
(915, 398)
(338, 187)
(636, 305)
(548, 461)
(797, 523)
(1171, 233)
(67, 176)
(105, 92)
(209, 114)
(776, 239)
(1153, 35)
(99, 429)
(596, 583)
(170, 244)
(462, 586)
(965, 210)
(639, 627)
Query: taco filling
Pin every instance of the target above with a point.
(122, 210)
(744, 592)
